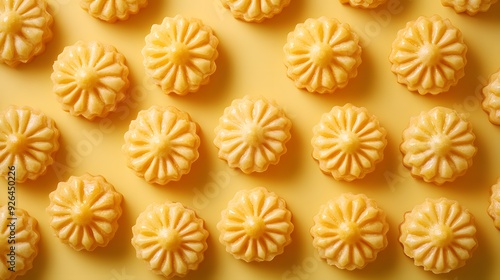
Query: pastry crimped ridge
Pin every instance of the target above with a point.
(348, 142)
(471, 7)
(256, 225)
(491, 101)
(180, 54)
(322, 55)
(255, 10)
(90, 79)
(350, 231)
(84, 212)
(25, 29)
(29, 140)
(170, 238)
(438, 145)
(367, 4)
(439, 235)
(26, 239)
(161, 144)
(429, 55)
(112, 10)
(494, 207)
(252, 134)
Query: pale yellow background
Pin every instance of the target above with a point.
(251, 62)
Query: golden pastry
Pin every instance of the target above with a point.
(90, 79)
(112, 10)
(348, 142)
(255, 10)
(170, 238)
(438, 235)
(350, 231)
(438, 145)
(24, 30)
(494, 208)
(28, 140)
(84, 212)
(256, 225)
(23, 244)
(470, 7)
(491, 102)
(429, 55)
(161, 144)
(180, 54)
(367, 4)
(252, 134)
(321, 55)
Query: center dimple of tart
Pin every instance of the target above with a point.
(82, 215)
(16, 143)
(322, 54)
(86, 78)
(179, 53)
(169, 239)
(429, 54)
(348, 141)
(253, 134)
(441, 235)
(10, 22)
(349, 232)
(254, 227)
(441, 144)
(160, 145)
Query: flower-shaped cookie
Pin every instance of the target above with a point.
(161, 144)
(112, 10)
(180, 54)
(367, 4)
(491, 102)
(24, 30)
(471, 7)
(322, 54)
(84, 212)
(438, 235)
(350, 231)
(252, 134)
(90, 79)
(255, 10)
(494, 208)
(26, 240)
(256, 225)
(170, 238)
(348, 142)
(438, 145)
(28, 140)
(429, 55)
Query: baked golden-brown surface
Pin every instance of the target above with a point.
(438, 145)
(29, 140)
(350, 231)
(348, 142)
(170, 238)
(252, 134)
(84, 212)
(161, 144)
(429, 55)
(322, 55)
(90, 79)
(19, 239)
(439, 235)
(25, 29)
(256, 225)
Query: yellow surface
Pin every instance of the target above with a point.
(251, 62)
